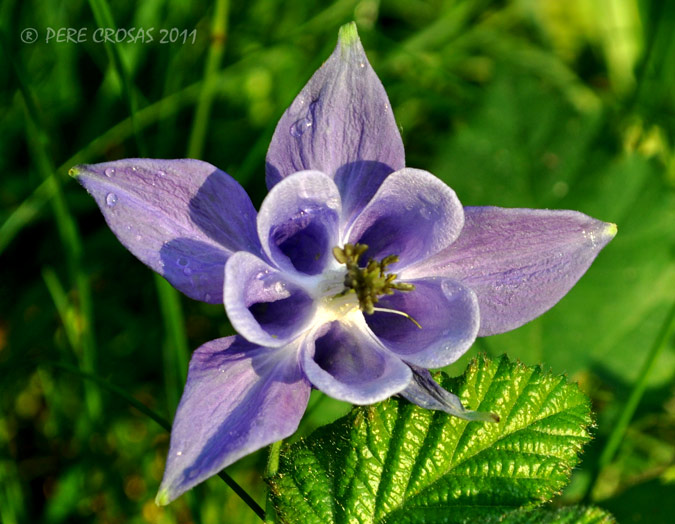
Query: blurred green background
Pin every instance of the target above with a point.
(522, 103)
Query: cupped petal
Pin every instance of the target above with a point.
(424, 391)
(299, 220)
(263, 305)
(344, 360)
(519, 262)
(413, 215)
(182, 218)
(448, 315)
(238, 398)
(342, 124)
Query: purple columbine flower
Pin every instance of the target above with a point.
(356, 276)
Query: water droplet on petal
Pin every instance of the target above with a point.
(182, 261)
(111, 199)
(139, 238)
(362, 64)
(109, 172)
(207, 298)
(161, 173)
(300, 126)
(179, 453)
(187, 271)
(134, 168)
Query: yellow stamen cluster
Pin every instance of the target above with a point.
(369, 282)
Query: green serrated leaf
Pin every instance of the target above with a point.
(394, 462)
(569, 515)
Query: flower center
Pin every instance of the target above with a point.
(370, 282)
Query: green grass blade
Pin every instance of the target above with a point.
(619, 429)
(213, 59)
(176, 353)
(104, 19)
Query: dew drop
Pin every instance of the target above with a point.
(134, 168)
(425, 212)
(362, 64)
(187, 271)
(111, 199)
(139, 238)
(182, 261)
(300, 126)
(109, 172)
(179, 453)
(161, 173)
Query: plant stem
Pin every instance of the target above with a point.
(270, 471)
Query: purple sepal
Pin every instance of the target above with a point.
(519, 262)
(238, 398)
(342, 124)
(183, 218)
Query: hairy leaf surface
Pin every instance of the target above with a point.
(394, 462)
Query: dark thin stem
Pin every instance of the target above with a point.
(257, 509)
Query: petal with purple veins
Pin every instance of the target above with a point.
(448, 315)
(183, 218)
(345, 361)
(262, 303)
(413, 215)
(519, 262)
(299, 220)
(238, 398)
(342, 124)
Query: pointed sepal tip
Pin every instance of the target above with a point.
(162, 498)
(348, 35)
(478, 416)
